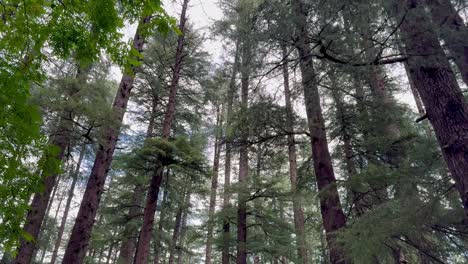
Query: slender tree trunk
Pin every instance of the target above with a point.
(109, 254)
(298, 211)
(183, 231)
(81, 232)
(350, 164)
(417, 100)
(68, 205)
(332, 214)
(49, 206)
(284, 259)
(214, 186)
(436, 83)
(61, 140)
(128, 245)
(57, 210)
(44, 252)
(244, 151)
(227, 160)
(162, 217)
(453, 31)
(178, 222)
(127, 248)
(257, 207)
(101, 255)
(143, 247)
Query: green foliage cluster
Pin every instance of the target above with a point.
(31, 30)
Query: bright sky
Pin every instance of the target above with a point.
(201, 14)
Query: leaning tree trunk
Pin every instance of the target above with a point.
(298, 211)
(214, 186)
(332, 214)
(54, 220)
(417, 100)
(49, 206)
(227, 159)
(81, 233)
(436, 83)
(143, 247)
(61, 139)
(68, 205)
(453, 31)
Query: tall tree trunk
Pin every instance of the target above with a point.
(143, 247)
(227, 160)
(127, 248)
(298, 211)
(81, 232)
(49, 206)
(183, 232)
(178, 222)
(60, 139)
(417, 100)
(175, 235)
(129, 243)
(214, 185)
(436, 83)
(453, 31)
(350, 164)
(162, 217)
(54, 220)
(257, 206)
(244, 150)
(68, 205)
(332, 214)
(284, 259)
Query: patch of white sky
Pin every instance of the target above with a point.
(201, 15)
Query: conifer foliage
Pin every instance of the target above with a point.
(285, 131)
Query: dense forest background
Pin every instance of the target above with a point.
(282, 131)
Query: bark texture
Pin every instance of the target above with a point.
(436, 83)
(453, 31)
(330, 206)
(298, 211)
(68, 205)
(81, 232)
(143, 247)
(164, 207)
